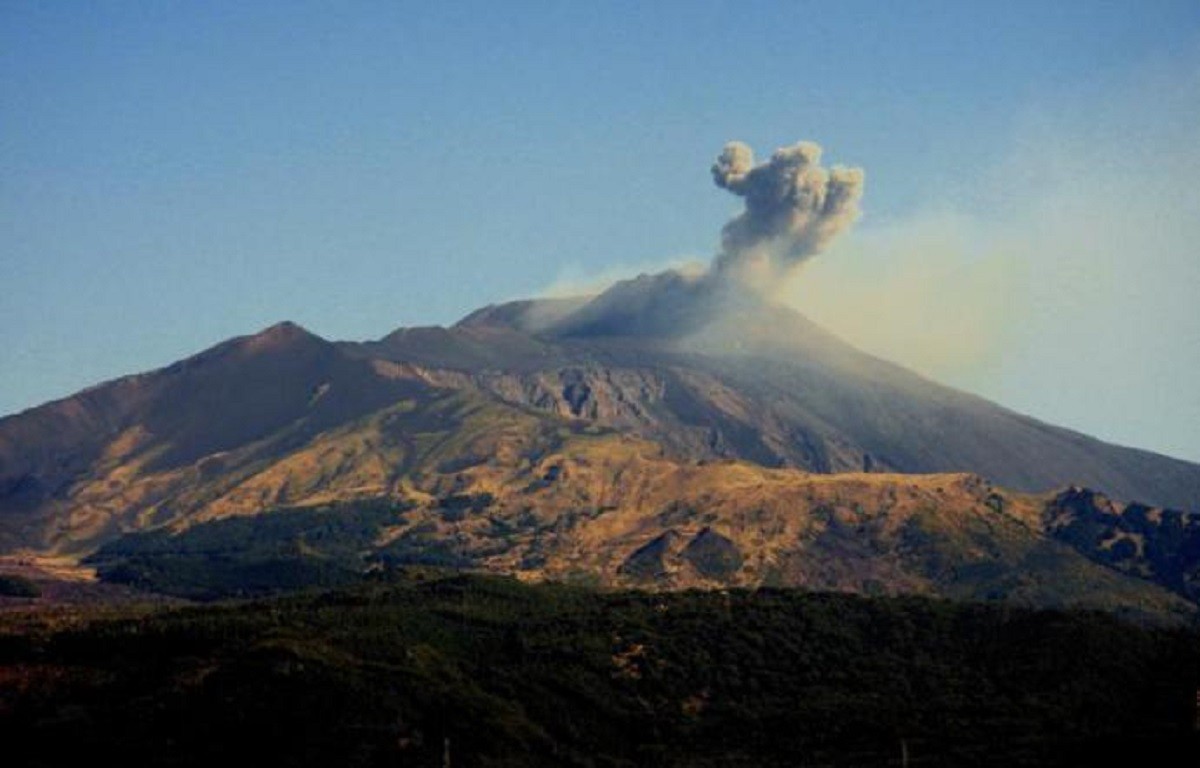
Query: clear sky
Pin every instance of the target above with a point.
(172, 174)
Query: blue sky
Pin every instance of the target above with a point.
(172, 174)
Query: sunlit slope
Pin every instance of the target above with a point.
(489, 486)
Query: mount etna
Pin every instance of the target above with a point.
(590, 440)
(678, 429)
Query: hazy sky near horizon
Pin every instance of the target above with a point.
(172, 174)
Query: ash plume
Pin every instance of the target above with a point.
(795, 208)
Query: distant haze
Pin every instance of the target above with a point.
(1063, 283)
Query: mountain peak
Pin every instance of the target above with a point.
(665, 304)
(524, 314)
(281, 334)
(284, 329)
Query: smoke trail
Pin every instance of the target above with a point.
(794, 209)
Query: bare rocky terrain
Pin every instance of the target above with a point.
(553, 442)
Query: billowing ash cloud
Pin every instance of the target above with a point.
(794, 208)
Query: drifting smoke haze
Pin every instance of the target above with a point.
(1072, 260)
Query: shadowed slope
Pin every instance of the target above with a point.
(69, 465)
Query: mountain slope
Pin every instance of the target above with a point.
(544, 439)
(520, 493)
(70, 469)
(478, 483)
(765, 384)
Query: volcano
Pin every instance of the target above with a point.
(665, 433)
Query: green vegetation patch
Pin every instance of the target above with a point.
(12, 585)
(502, 674)
(280, 550)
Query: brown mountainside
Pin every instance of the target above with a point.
(759, 451)
(507, 490)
